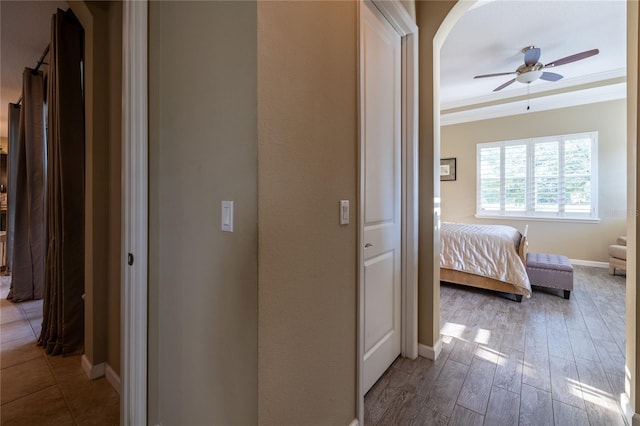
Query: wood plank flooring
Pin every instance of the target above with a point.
(545, 361)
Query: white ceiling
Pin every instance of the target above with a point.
(25, 28)
(489, 38)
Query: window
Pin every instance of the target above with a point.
(552, 177)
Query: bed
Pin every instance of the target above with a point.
(492, 257)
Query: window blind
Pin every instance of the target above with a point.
(551, 177)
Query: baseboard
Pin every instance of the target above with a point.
(93, 371)
(632, 418)
(113, 378)
(589, 263)
(354, 423)
(100, 370)
(429, 352)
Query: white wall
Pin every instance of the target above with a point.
(586, 241)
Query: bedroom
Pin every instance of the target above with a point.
(590, 98)
(468, 121)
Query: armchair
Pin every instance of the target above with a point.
(618, 256)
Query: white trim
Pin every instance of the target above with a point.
(360, 231)
(400, 19)
(113, 378)
(92, 371)
(135, 213)
(518, 105)
(397, 15)
(538, 218)
(429, 352)
(100, 370)
(410, 197)
(589, 263)
(354, 422)
(632, 418)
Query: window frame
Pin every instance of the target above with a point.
(529, 212)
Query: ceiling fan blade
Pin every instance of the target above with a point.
(494, 75)
(502, 86)
(532, 56)
(573, 58)
(550, 76)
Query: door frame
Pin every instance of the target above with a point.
(134, 229)
(406, 27)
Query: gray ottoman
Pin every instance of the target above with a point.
(550, 270)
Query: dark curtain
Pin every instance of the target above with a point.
(27, 274)
(14, 128)
(63, 319)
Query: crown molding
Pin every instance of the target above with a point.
(565, 85)
(516, 106)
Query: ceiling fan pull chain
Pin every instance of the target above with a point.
(528, 85)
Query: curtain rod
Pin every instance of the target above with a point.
(40, 62)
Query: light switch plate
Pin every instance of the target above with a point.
(227, 216)
(344, 212)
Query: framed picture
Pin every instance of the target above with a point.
(448, 169)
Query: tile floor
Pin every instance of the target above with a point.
(546, 361)
(39, 389)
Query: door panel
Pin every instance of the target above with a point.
(382, 193)
(379, 272)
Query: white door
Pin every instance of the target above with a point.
(381, 109)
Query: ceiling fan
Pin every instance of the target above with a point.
(532, 70)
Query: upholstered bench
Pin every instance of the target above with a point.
(550, 270)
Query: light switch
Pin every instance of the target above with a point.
(344, 212)
(227, 216)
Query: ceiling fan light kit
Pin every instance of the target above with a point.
(533, 70)
(528, 76)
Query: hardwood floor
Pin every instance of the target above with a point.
(545, 361)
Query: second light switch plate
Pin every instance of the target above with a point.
(227, 216)
(344, 212)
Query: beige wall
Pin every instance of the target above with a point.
(203, 149)
(115, 187)
(93, 17)
(585, 241)
(429, 14)
(102, 25)
(307, 115)
(307, 287)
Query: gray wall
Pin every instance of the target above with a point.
(203, 149)
(585, 241)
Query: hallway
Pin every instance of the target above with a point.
(38, 389)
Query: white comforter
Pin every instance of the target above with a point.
(486, 250)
